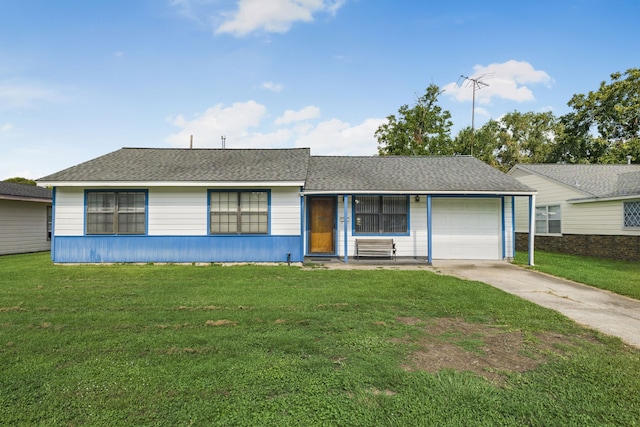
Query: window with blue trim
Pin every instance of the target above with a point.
(239, 212)
(116, 212)
(381, 214)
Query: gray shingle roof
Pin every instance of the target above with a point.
(167, 164)
(13, 190)
(409, 174)
(596, 181)
(321, 173)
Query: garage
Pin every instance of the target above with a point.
(466, 228)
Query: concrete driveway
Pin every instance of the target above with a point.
(601, 310)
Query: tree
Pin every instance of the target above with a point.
(423, 129)
(604, 126)
(485, 142)
(20, 180)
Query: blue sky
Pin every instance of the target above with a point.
(79, 79)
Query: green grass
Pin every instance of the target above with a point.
(621, 277)
(281, 346)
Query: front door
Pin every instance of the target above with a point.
(321, 225)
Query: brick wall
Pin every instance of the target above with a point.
(613, 247)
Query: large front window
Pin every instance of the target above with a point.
(548, 220)
(239, 212)
(381, 214)
(116, 212)
(632, 214)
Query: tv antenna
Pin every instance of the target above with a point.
(477, 84)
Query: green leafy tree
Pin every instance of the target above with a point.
(525, 138)
(604, 126)
(20, 180)
(485, 142)
(424, 129)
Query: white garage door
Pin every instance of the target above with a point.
(466, 228)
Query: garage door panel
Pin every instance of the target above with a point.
(466, 228)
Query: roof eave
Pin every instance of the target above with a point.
(603, 199)
(25, 198)
(123, 184)
(421, 192)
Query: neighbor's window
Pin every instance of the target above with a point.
(548, 220)
(381, 214)
(49, 221)
(239, 212)
(632, 214)
(116, 212)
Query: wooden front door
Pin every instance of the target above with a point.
(321, 225)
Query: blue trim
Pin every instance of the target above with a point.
(345, 202)
(504, 230)
(117, 190)
(429, 230)
(53, 221)
(244, 190)
(513, 225)
(121, 248)
(353, 216)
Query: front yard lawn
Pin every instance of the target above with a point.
(621, 277)
(285, 346)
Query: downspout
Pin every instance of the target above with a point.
(429, 231)
(532, 226)
(345, 199)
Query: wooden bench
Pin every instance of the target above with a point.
(375, 248)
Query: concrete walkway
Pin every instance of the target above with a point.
(601, 310)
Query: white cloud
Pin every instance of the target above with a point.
(20, 94)
(291, 116)
(509, 80)
(335, 137)
(234, 122)
(273, 16)
(6, 127)
(273, 87)
(241, 124)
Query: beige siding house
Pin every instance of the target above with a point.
(25, 218)
(583, 209)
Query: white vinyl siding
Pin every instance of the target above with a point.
(23, 227)
(177, 211)
(69, 212)
(285, 211)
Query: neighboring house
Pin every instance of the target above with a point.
(583, 209)
(234, 205)
(25, 218)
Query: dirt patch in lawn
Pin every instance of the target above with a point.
(488, 351)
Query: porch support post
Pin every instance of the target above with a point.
(532, 226)
(345, 200)
(513, 226)
(504, 230)
(429, 231)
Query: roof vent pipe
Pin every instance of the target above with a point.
(191, 142)
(628, 159)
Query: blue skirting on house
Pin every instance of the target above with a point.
(96, 249)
